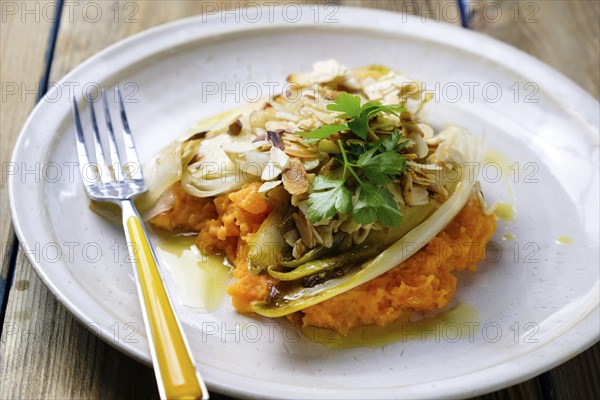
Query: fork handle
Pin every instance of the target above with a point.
(175, 372)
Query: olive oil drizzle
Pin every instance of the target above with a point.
(457, 323)
(200, 279)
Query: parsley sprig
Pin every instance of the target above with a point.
(374, 202)
(357, 116)
(367, 166)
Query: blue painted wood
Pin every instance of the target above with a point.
(50, 48)
(10, 255)
(13, 246)
(464, 14)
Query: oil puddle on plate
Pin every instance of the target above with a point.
(200, 279)
(457, 322)
(564, 240)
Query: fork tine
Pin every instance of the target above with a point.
(132, 156)
(82, 154)
(115, 154)
(103, 166)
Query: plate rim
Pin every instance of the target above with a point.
(172, 28)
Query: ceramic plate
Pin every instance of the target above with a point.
(534, 301)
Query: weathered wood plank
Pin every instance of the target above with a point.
(577, 378)
(530, 390)
(428, 10)
(19, 87)
(46, 353)
(563, 34)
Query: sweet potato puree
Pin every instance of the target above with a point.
(424, 282)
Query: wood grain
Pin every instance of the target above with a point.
(563, 34)
(18, 95)
(428, 10)
(46, 353)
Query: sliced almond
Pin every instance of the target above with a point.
(266, 186)
(409, 126)
(294, 177)
(420, 146)
(299, 249)
(406, 187)
(305, 230)
(299, 150)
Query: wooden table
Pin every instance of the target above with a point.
(44, 351)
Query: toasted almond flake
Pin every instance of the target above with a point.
(305, 230)
(266, 186)
(278, 160)
(326, 235)
(299, 249)
(292, 137)
(326, 71)
(420, 179)
(335, 224)
(284, 126)
(420, 146)
(420, 196)
(294, 177)
(301, 203)
(396, 191)
(287, 116)
(291, 237)
(406, 187)
(241, 147)
(299, 200)
(300, 150)
(427, 130)
(417, 166)
(316, 235)
(349, 226)
(361, 234)
(310, 164)
(409, 126)
(439, 189)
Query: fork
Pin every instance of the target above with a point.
(174, 366)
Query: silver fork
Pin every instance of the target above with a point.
(173, 362)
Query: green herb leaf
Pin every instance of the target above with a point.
(393, 144)
(322, 132)
(368, 154)
(360, 127)
(334, 197)
(382, 168)
(379, 162)
(358, 116)
(322, 182)
(390, 143)
(392, 109)
(348, 104)
(376, 204)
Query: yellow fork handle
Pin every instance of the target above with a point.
(175, 372)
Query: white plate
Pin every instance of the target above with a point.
(537, 303)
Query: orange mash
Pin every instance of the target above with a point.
(424, 282)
